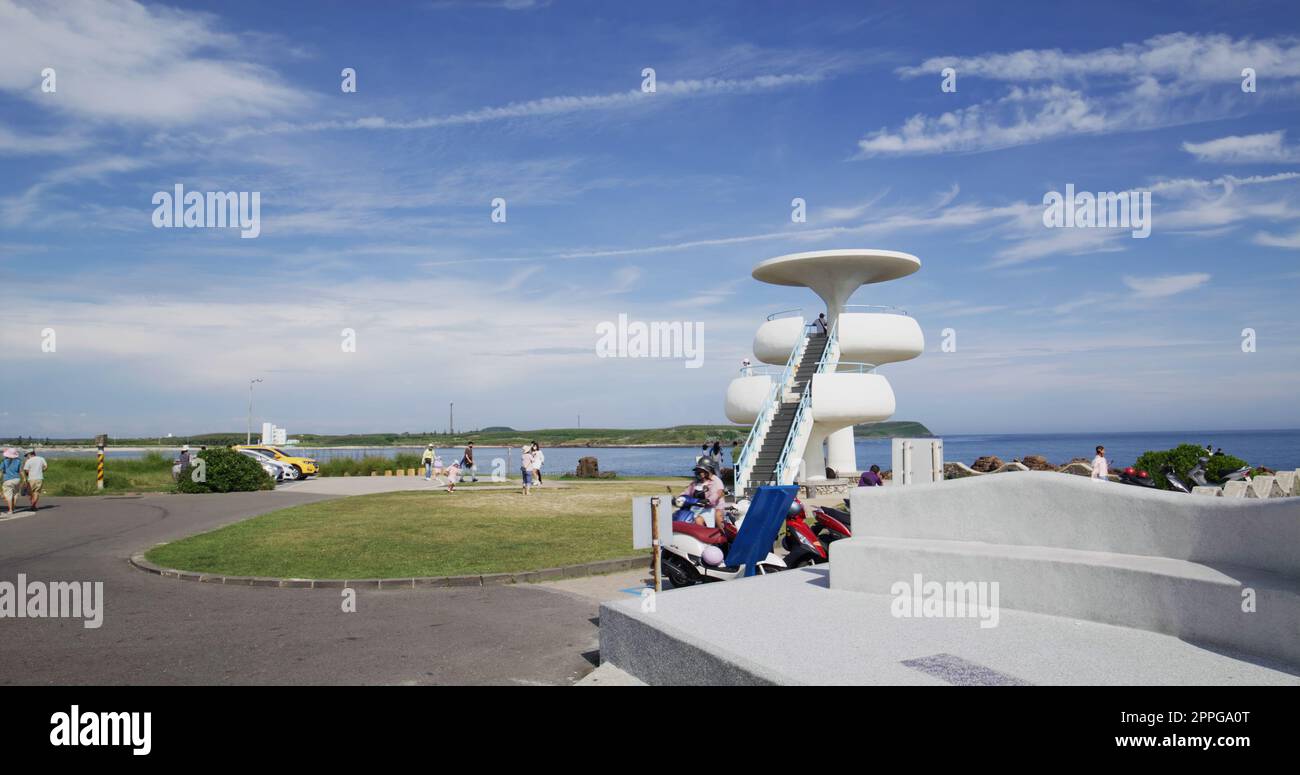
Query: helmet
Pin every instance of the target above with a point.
(707, 467)
(795, 510)
(1130, 471)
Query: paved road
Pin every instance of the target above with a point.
(165, 631)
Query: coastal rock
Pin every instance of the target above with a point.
(1078, 468)
(958, 471)
(588, 468)
(986, 464)
(1037, 463)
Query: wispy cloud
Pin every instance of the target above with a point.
(1263, 147)
(121, 61)
(666, 91)
(1163, 286)
(1163, 81)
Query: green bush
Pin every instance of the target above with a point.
(1183, 458)
(225, 471)
(363, 467)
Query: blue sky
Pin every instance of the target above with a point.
(376, 208)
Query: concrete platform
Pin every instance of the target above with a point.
(1186, 599)
(790, 628)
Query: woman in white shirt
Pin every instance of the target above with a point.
(538, 458)
(1100, 469)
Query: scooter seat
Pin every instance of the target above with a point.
(708, 535)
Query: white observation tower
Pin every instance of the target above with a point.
(820, 385)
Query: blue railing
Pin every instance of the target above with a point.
(829, 355)
(748, 453)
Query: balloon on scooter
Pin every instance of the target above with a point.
(1136, 477)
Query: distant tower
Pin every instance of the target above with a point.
(824, 384)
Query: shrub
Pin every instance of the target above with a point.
(1183, 458)
(363, 467)
(225, 471)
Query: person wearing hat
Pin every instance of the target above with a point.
(526, 465)
(11, 471)
(427, 460)
(707, 487)
(34, 474)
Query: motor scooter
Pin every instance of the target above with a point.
(687, 560)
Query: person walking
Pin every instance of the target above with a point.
(819, 325)
(467, 461)
(453, 476)
(1100, 468)
(526, 469)
(539, 457)
(715, 456)
(703, 457)
(11, 472)
(427, 460)
(34, 477)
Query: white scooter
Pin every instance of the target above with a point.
(695, 553)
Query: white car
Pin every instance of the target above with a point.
(278, 471)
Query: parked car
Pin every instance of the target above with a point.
(280, 472)
(305, 466)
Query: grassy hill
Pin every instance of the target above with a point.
(678, 435)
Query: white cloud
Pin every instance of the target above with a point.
(1023, 116)
(1263, 147)
(1178, 57)
(121, 61)
(1163, 81)
(548, 106)
(1165, 285)
(1291, 241)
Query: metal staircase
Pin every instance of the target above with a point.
(768, 451)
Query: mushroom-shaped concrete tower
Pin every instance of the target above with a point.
(828, 382)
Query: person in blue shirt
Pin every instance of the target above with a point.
(11, 471)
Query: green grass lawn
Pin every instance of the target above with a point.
(421, 534)
(76, 476)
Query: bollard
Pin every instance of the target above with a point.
(99, 471)
(388, 472)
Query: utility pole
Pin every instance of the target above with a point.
(451, 418)
(248, 439)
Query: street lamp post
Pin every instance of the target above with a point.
(248, 439)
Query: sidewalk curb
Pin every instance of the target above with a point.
(598, 568)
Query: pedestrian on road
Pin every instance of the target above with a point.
(34, 477)
(11, 471)
(467, 461)
(539, 457)
(427, 460)
(526, 469)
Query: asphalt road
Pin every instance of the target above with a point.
(165, 631)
